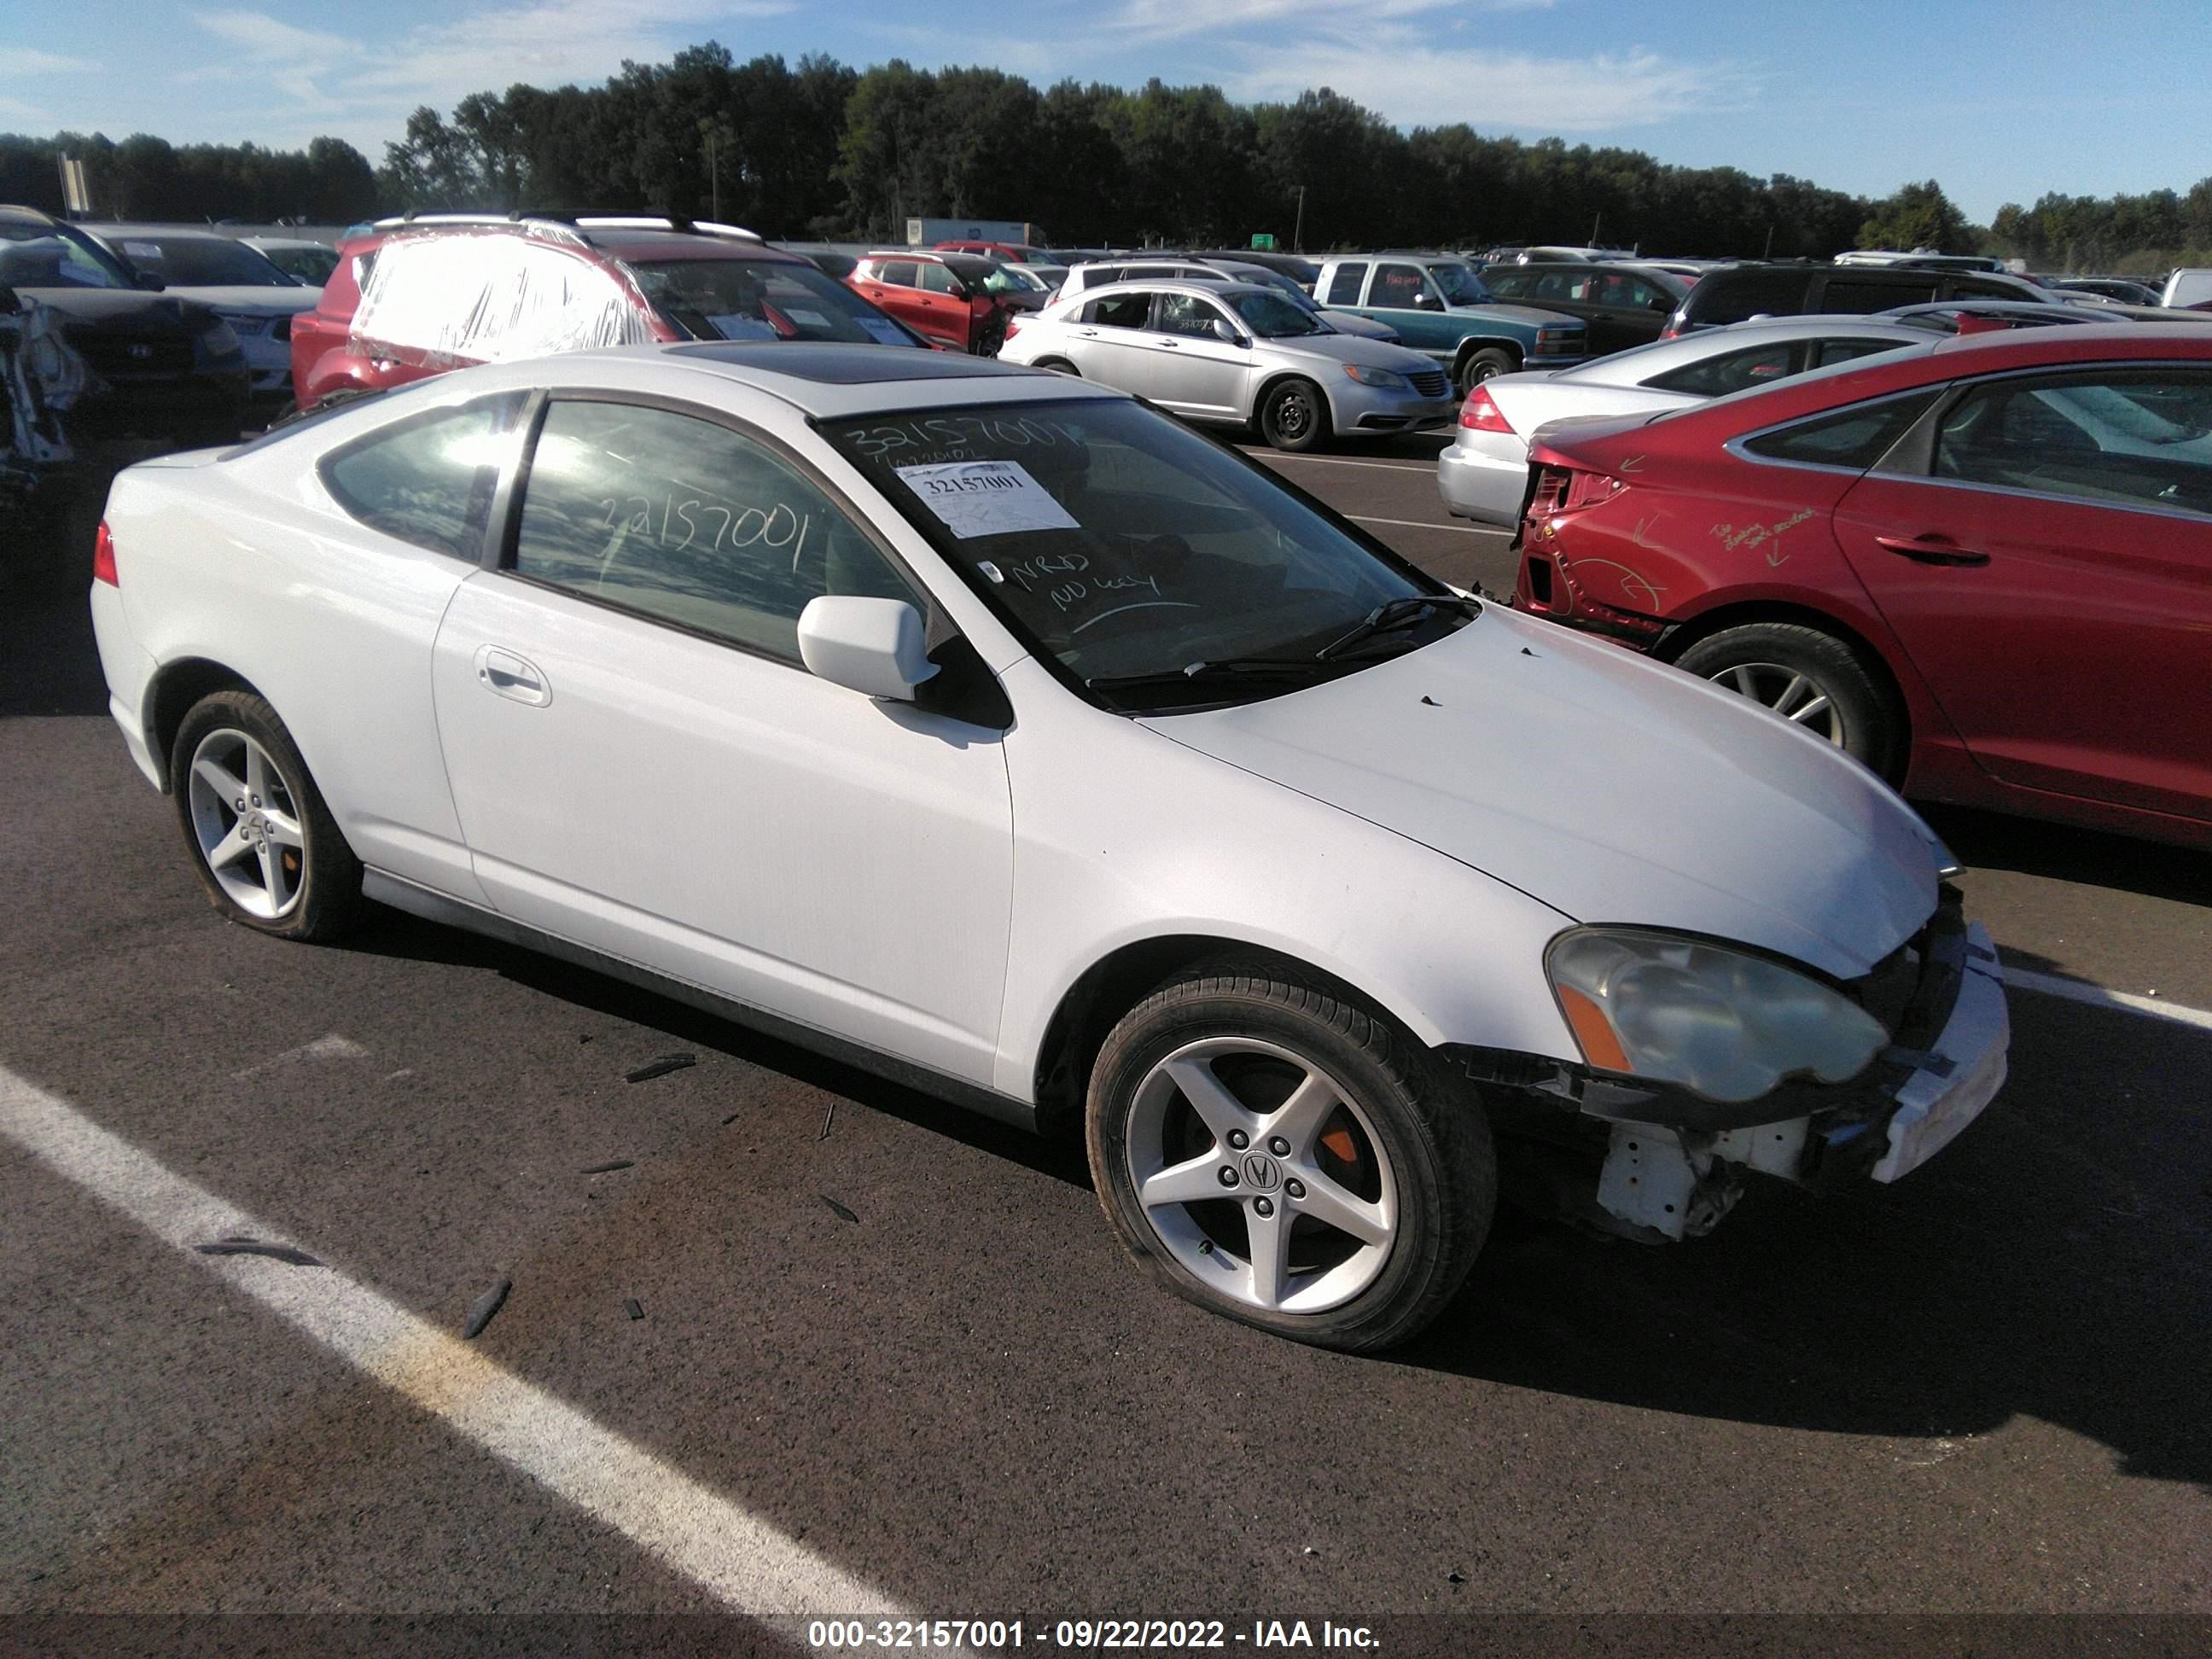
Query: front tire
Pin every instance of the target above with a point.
(1811, 679)
(1279, 1155)
(260, 837)
(1481, 366)
(1295, 417)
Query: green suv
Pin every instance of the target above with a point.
(1441, 309)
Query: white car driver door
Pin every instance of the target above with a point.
(643, 766)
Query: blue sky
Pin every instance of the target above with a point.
(2000, 101)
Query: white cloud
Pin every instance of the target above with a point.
(1420, 63)
(1412, 80)
(1160, 20)
(267, 40)
(15, 109)
(27, 60)
(361, 91)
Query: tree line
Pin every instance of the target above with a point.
(2127, 235)
(146, 177)
(818, 149)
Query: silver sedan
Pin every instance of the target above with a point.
(1236, 352)
(1484, 476)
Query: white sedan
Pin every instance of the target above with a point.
(992, 730)
(1484, 476)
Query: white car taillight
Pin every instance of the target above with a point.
(1480, 413)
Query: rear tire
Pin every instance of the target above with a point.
(1811, 679)
(261, 839)
(1294, 417)
(1363, 1187)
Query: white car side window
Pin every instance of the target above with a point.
(427, 481)
(685, 520)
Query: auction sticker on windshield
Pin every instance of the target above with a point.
(886, 332)
(985, 498)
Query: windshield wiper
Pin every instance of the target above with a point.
(1224, 668)
(1396, 614)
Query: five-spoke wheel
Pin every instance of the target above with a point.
(264, 842)
(1287, 1158)
(1248, 1158)
(246, 824)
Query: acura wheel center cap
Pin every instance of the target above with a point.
(1261, 1173)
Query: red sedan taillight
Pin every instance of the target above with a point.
(1480, 413)
(103, 557)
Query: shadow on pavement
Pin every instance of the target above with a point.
(2089, 858)
(393, 934)
(51, 665)
(2055, 1262)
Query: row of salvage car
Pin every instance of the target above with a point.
(121, 343)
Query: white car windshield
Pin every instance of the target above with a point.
(762, 300)
(203, 261)
(33, 257)
(1273, 318)
(1152, 565)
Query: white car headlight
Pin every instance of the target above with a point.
(1382, 379)
(1724, 1023)
(221, 340)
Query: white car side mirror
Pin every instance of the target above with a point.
(874, 646)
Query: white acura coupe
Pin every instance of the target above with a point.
(994, 731)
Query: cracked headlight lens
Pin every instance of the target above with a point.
(1724, 1023)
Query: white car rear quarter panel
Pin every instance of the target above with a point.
(128, 670)
(249, 564)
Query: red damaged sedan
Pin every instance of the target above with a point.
(1983, 567)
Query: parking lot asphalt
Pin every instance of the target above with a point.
(890, 1349)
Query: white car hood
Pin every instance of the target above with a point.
(1358, 327)
(265, 301)
(1349, 349)
(1610, 787)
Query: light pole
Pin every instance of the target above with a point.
(1298, 230)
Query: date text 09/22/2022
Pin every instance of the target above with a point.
(1085, 1634)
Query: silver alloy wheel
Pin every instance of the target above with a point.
(247, 821)
(1281, 1165)
(1795, 696)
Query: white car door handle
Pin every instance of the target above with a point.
(510, 675)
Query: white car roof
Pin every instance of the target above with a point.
(824, 379)
(1638, 363)
(1227, 288)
